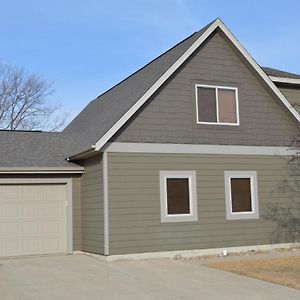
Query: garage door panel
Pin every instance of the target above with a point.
(10, 210)
(51, 245)
(31, 245)
(31, 228)
(11, 247)
(11, 228)
(31, 210)
(32, 219)
(53, 209)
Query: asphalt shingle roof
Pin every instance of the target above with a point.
(34, 149)
(279, 73)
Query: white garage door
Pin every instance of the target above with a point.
(32, 219)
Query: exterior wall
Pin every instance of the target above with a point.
(170, 115)
(134, 203)
(292, 94)
(92, 206)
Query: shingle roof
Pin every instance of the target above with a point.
(279, 73)
(103, 112)
(34, 149)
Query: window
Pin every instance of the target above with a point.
(178, 196)
(241, 195)
(217, 105)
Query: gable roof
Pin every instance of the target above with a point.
(34, 149)
(105, 115)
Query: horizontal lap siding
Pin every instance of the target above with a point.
(293, 95)
(170, 115)
(134, 202)
(92, 206)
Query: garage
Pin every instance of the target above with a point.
(33, 218)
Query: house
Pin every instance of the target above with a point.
(190, 152)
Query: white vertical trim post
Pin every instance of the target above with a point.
(105, 204)
(69, 212)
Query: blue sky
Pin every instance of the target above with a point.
(85, 47)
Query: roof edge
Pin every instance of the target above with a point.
(286, 80)
(41, 170)
(82, 155)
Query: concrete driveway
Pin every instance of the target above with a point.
(85, 277)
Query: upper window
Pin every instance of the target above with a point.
(241, 195)
(217, 105)
(178, 196)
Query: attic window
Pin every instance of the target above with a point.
(217, 105)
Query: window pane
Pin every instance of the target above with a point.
(241, 194)
(207, 111)
(178, 196)
(227, 106)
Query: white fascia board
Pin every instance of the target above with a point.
(197, 149)
(41, 170)
(216, 24)
(285, 80)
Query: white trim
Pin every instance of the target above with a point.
(198, 149)
(285, 80)
(69, 206)
(105, 204)
(40, 170)
(190, 253)
(216, 24)
(254, 213)
(193, 215)
(217, 88)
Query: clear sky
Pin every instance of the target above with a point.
(87, 46)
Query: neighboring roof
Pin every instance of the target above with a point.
(279, 73)
(105, 115)
(34, 149)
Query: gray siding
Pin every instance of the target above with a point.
(170, 115)
(293, 95)
(92, 205)
(134, 202)
(76, 214)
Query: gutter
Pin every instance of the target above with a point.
(82, 155)
(285, 80)
(42, 170)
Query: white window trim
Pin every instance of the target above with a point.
(252, 175)
(193, 215)
(217, 87)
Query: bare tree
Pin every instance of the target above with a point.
(24, 102)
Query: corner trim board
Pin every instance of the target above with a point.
(216, 24)
(105, 204)
(197, 149)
